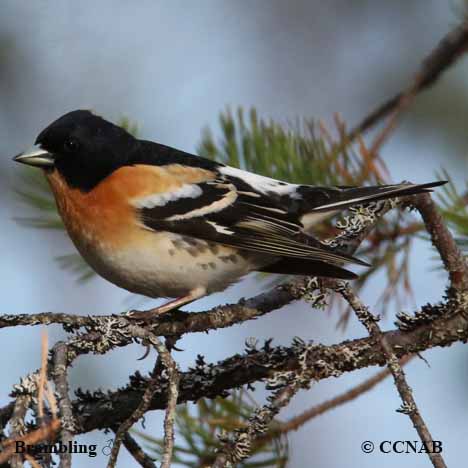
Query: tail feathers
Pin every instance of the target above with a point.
(326, 253)
(323, 199)
(341, 198)
(295, 266)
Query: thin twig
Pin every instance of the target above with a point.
(442, 239)
(35, 383)
(45, 432)
(42, 388)
(42, 376)
(169, 418)
(239, 447)
(137, 452)
(403, 103)
(175, 324)
(445, 54)
(172, 393)
(298, 421)
(31, 461)
(409, 406)
(128, 423)
(18, 428)
(64, 403)
(51, 400)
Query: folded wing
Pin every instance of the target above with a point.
(256, 213)
(237, 215)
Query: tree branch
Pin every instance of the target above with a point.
(409, 406)
(349, 395)
(64, 403)
(443, 241)
(444, 324)
(238, 447)
(137, 452)
(172, 390)
(445, 54)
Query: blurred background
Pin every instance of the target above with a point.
(172, 67)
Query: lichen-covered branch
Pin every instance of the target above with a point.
(298, 421)
(126, 425)
(409, 405)
(66, 412)
(443, 325)
(18, 428)
(177, 323)
(454, 261)
(170, 367)
(238, 446)
(137, 452)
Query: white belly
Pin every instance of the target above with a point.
(169, 265)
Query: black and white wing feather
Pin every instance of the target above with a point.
(238, 212)
(255, 213)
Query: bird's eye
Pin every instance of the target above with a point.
(72, 144)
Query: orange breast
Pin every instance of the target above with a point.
(105, 215)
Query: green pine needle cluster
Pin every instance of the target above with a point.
(454, 207)
(198, 430)
(295, 153)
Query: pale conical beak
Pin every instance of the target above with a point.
(37, 157)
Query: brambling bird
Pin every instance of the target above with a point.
(164, 223)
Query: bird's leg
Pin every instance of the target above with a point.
(193, 295)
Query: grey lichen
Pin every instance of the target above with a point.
(406, 408)
(456, 301)
(361, 218)
(313, 294)
(28, 386)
